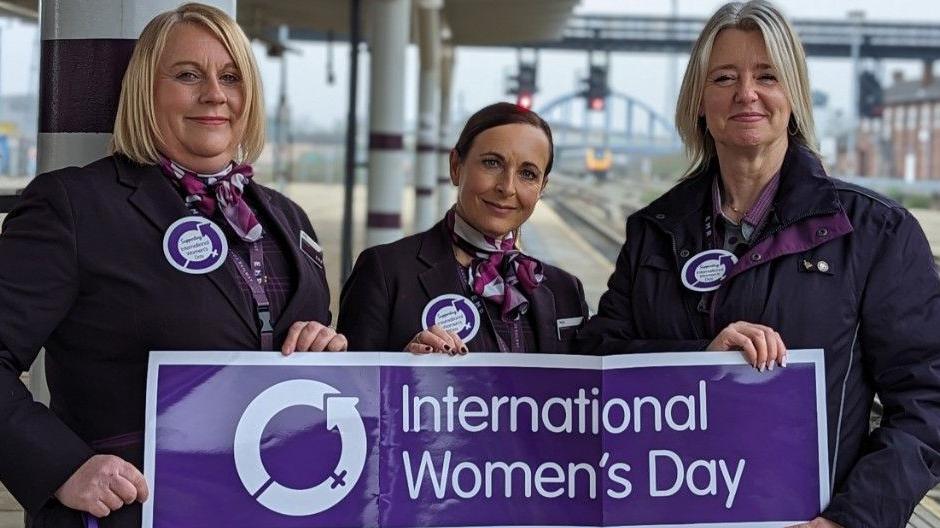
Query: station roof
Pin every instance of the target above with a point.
(470, 22)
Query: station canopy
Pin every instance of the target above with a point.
(468, 22)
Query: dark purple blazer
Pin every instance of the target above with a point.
(382, 301)
(83, 274)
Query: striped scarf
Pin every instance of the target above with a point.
(223, 190)
(499, 271)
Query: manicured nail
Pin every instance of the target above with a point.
(784, 362)
(452, 352)
(464, 350)
(427, 348)
(447, 348)
(763, 367)
(771, 367)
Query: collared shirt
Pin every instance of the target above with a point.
(736, 237)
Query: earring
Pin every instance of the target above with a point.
(792, 128)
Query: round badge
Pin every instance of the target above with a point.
(454, 313)
(195, 245)
(705, 271)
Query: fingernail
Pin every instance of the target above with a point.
(427, 348)
(763, 367)
(771, 367)
(784, 362)
(464, 350)
(447, 348)
(452, 352)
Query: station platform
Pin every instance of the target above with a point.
(546, 236)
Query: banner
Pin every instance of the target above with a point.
(254, 439)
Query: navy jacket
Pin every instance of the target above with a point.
(382, 301)
(83, 274)
(875, 311)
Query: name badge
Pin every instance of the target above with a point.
(567, 322)
(310, 248)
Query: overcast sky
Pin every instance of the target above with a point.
(480, 72)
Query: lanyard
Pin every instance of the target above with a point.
(253, 278)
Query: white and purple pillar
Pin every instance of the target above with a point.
(429, 39)
(390, 21)
(446, 193)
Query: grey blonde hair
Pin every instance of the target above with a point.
(788, 58)
(135, 127)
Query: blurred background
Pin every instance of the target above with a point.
(604, 73)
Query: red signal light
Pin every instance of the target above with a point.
(597, 103)
(524, 100)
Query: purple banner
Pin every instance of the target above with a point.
(395, 440)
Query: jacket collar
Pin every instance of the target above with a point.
(437, 254)
(155, 198)
(544, 320)
(805, 190)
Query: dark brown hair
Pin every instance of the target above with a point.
(499, 114)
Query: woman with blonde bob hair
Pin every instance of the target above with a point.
(167, 244)
(136, 133)
(805, 261)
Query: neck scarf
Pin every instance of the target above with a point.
(223, 190)
(499, 271)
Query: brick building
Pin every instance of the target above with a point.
(904, 142)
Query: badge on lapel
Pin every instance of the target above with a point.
(454, 313)
(705, 271)
(814, 264)
(310, 248)
(195, 245)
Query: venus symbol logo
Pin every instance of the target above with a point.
(341, 414)
(705, 271)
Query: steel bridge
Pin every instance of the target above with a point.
(821, 38)
(625, 126)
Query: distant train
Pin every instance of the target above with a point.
(597, 162)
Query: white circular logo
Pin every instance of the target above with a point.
(341, 414)
(195, 245)
(705, 271)
(454, 313)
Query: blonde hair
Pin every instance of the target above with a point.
(788, 58)
(135, 127)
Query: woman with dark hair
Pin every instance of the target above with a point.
(464, 284)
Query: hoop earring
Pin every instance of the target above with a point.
(792, 128)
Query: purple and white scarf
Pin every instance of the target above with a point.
(499, 271)
(223, 190)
